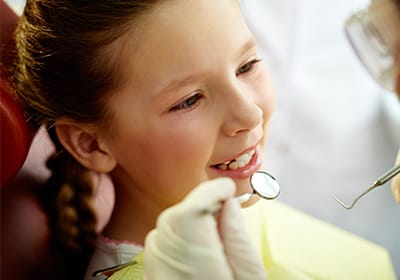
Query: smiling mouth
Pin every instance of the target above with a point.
(236, 163)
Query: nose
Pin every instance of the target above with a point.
(243, 114)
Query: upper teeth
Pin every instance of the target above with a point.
(239, 162)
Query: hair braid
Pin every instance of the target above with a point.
(67, 197)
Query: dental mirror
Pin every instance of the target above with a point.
(264, 185)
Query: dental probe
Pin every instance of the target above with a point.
(379, 182)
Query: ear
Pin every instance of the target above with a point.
(84, 144)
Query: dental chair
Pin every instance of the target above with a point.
(24, 231)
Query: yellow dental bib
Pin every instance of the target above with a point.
(294, 245)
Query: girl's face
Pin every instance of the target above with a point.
(196, 97)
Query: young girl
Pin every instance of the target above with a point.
(161, 95)
(164, 96)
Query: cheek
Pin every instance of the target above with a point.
(266, 97)
(182, 159)
(165, 163)
(172, 149)
(266, 100)
(185, 142)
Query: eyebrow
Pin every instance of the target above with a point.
(177, 83)
(180, 82)
(250, 43)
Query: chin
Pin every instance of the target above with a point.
(243, 186)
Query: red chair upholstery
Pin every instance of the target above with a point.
(24, 232)
(16, 137)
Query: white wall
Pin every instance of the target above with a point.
(335, 130)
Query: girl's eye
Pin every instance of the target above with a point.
(187, 103)
(247, 67)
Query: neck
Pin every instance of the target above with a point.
(134, 216)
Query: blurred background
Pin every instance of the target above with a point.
(335, 130)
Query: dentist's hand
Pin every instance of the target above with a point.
(189, 243)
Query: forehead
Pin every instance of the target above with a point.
(177, 36)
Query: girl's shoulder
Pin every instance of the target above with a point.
(109, 253)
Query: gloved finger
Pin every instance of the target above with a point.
(177, 259)
(210, 193)
(242, 256)
(187, 218)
